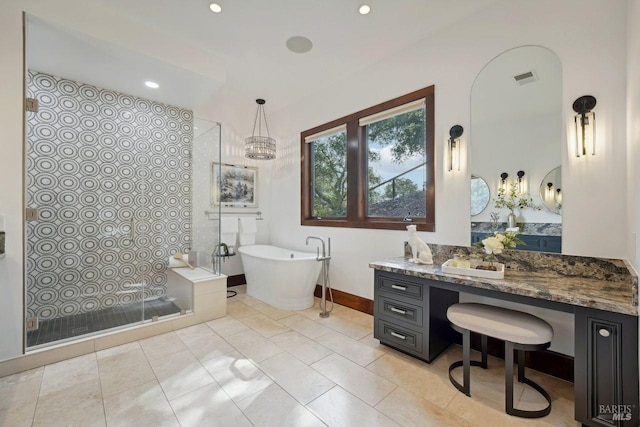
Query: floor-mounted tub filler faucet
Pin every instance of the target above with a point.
(324, 274)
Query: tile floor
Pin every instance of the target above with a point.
(266, 367)
(99, 320)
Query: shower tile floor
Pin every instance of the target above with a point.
(268, 367)
(99, 320)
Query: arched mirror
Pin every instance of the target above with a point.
(480, 195)
(516, 131)
(551, 190)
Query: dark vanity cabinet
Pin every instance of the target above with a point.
(606, 367)
(533, 242)
(411, 316)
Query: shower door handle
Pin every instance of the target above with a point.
(132, 233)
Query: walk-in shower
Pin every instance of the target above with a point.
(111, 182)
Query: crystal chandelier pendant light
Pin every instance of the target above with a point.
(260, 147)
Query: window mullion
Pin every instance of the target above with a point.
(363, 178)
(353, 175)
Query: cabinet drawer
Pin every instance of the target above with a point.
(399, 336)
(401, 311)
(393, 286)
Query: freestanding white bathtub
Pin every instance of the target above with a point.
(282, 278)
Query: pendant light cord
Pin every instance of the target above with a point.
(258, 121)
(265, 120)
(255, 121)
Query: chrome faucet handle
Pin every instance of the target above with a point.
(318, 248)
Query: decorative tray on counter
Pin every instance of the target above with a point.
(462, 271)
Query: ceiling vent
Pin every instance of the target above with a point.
(524, 78)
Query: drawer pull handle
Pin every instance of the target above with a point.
(397, 310)
(401, 288)
(394, 334)
(604, 332)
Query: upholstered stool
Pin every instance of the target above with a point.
(519, 331)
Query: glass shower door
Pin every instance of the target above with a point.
(108, 191)
(85, 188)
(206, 181)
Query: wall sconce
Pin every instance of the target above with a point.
(585, 122)
(453, 144)
(558, 198)
(502, 184)
(522, 184)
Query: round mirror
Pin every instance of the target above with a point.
(480, 194)
(551, 191)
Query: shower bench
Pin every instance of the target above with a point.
(206, 290)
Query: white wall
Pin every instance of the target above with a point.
(588, 37)
(591, 227)
(11, 125)
(633, 131)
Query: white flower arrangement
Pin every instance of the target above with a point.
(494, 245)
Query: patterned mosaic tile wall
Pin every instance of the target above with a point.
(97, 162)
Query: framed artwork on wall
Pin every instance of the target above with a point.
(238, 186)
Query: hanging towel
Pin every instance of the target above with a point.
(248, 231)
(229, 230)
(248, 225)
(229, 224)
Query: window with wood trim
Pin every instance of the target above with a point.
(329, 174)
(373, 168)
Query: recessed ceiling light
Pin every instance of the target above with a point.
(215, 8)
(299, 44)
(152, 85)
(364, 9)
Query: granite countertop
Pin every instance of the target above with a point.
(605, 284)
(528, 228)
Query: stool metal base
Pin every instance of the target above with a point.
(508, 378)
(466, 363)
